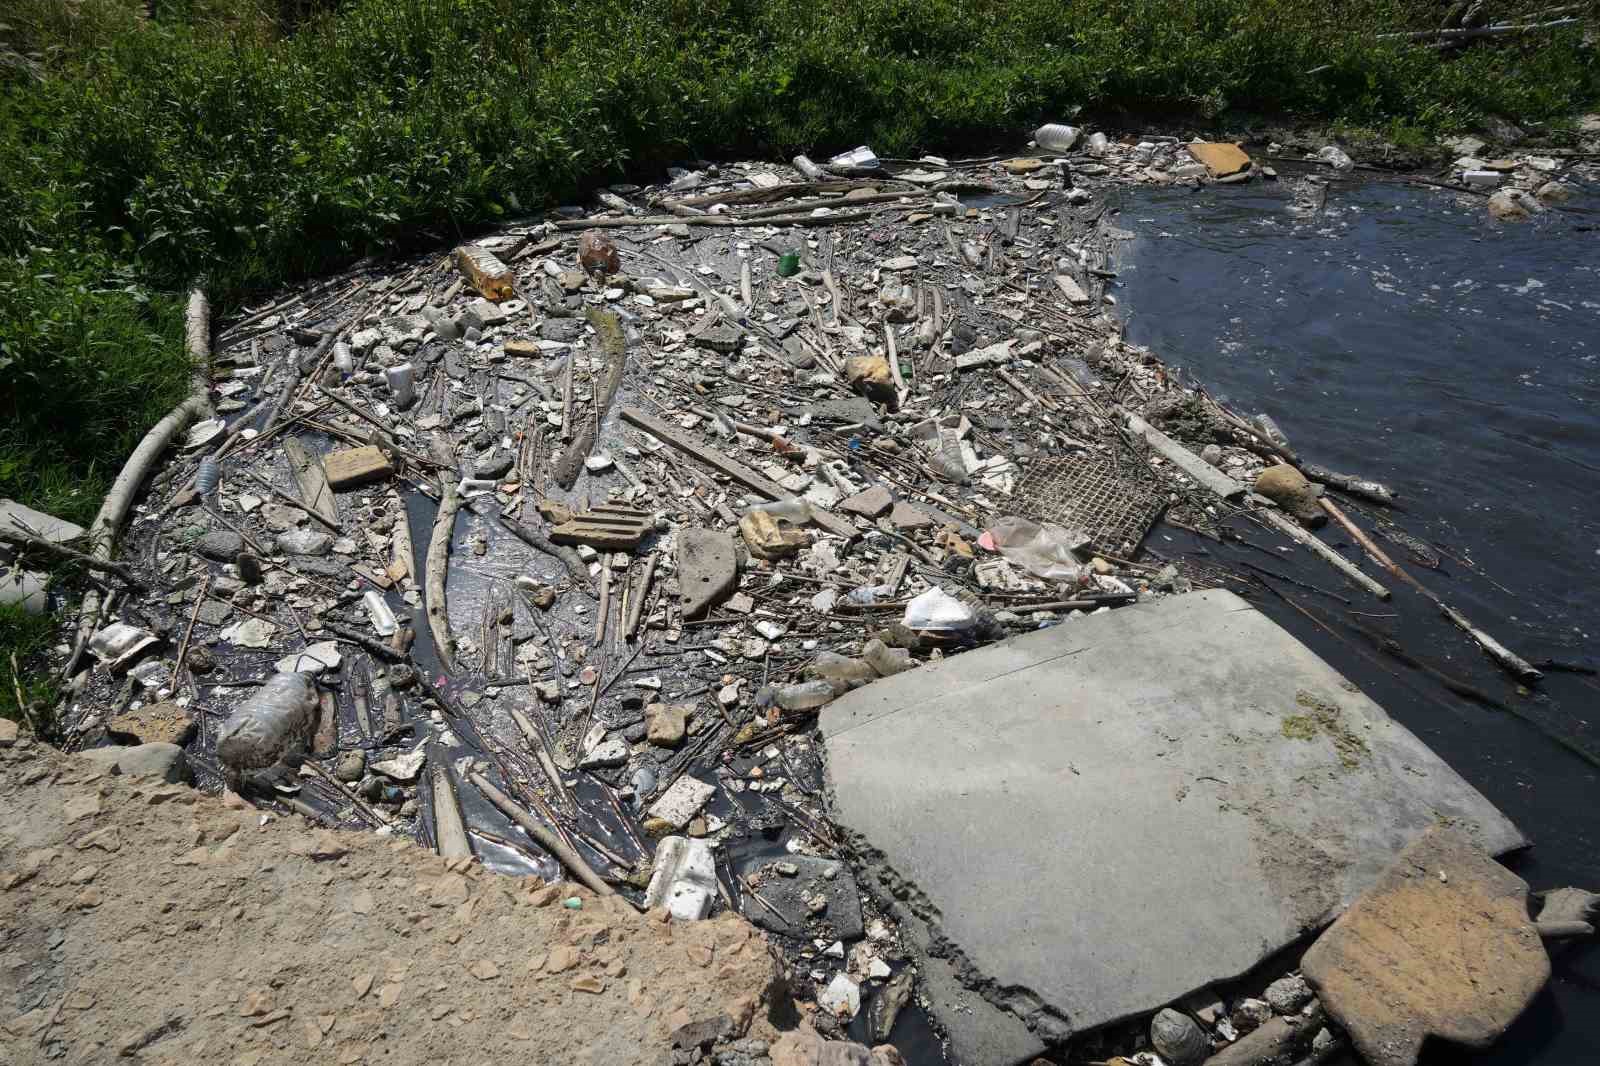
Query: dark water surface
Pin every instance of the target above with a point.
(1400, 335)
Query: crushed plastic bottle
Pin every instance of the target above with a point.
(886, 661)
(383, 620)
(208, 477)
(344, 360)
(867, 595)
(792, 510)
(805, 695)
(276, 720)
(492, 278)
(841, 671)
(1043, 549)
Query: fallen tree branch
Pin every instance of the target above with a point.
(93, 563)
(1499, 30)
(437, 569)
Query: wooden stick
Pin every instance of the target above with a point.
(547, 840)
(183, 650)
(437, 571)
(605, 603)
(447, 822)
(1508, 660)
(1295, 532)
(639, 599)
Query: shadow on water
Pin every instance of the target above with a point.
(1400, 335)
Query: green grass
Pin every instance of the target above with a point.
(214, 143)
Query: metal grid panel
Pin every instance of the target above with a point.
(1114, 504)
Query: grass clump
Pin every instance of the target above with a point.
(145, 146)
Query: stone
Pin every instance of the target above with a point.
(305, 542)
(250, 632)
(668, 723)
(163, 722)
(612, 751)
(869, 504)
(1287, 487)
(481, 314)
(352, 767)
(842, 997)
(682, 801)
(164, 761)
(8, 733)
(1250, 1013)
(907, 518)
(1288, 994)
(1513, 205)
(684, 879)
(1441, 946)
(219, 544)
(869, 375)
(445, 327)
(703, 1033)
(1212, 453)
(1177, 1038)
(1230, 866)
(1220, 159)
(495, 466)
(767, 538)
(1022, 165)
(1553, 192)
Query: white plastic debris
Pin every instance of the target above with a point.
(684, 879)
(938, 611)
(682, 801)
(1340, 161)
(265, 727)
(383, 619)
(1043, 549)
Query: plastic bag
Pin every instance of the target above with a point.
(1044, 550)
(938, 611)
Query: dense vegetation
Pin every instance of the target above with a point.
(144, 145)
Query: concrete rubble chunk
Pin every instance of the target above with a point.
(1441, 946)
(1299, 829)
(682, 801)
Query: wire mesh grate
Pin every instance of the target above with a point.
(1114, 503)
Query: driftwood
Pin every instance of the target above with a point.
(1376, 491)
(114, 509)
(437, 571)
(636, 611)
(449, 828)
(1273, 1041)
(547, 840)
(306, 467)
(1499, 30)
(1509, 660)
(1292, 529)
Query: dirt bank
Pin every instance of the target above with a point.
(140, 918)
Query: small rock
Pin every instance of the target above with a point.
(220, 544)
(1177, 1038)
(1288, 488)
(1249, 1014)
(668, 723)
(1288, 994)
(842, 997)
(352, 767)
(1212, 453)
(165, 761)
(1554, 192)
(869, 504)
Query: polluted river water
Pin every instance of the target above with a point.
(1398, 334)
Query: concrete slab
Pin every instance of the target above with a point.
(1442, 946)
(1097, 819)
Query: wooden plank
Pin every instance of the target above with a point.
(353, 467)
(306, 466)
(736, 470)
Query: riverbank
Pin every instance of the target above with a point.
(564, 495)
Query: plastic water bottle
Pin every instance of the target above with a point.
(344, 360)
(1055, 137)
(805, 696)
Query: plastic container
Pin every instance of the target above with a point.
(208, 477)
(1096, 144)
(276, 720)
(383, 620)
(863, 158)
(402, 384)
(841, 671)
(805, 696)
(344, 360)
(788, 264)
(1056, 137)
